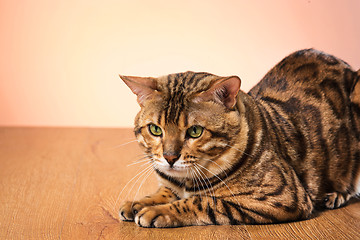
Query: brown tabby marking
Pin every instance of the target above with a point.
(227, 157)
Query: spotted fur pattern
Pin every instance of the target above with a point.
(271, 155)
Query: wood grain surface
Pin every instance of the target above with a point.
(66, 183)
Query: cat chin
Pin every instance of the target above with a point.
(177, 172)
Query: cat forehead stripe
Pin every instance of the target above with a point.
(180, 86)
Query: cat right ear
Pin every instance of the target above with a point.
(143, 87)
(224, 91)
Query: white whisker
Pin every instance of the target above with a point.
(211, 190)
(196, 182)
(121, 145)
(137, 175)
(149, 172)
(201, 179)
(222, 170)
(231, 192)
(141, 160)
(150, 161)
(148, 168)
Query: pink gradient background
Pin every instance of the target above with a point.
(60, 60)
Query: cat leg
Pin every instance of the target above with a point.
(195, 210)
(221, 211)
(130, 208)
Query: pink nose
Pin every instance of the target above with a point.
(171, 158)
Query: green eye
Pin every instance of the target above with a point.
(155, 130)
(195, 131)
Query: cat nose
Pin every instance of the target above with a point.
(171, 158)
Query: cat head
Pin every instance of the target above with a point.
(187, 121)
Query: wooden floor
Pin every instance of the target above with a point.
(62, 183)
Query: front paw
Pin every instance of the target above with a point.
(129, 210)
(156, 216)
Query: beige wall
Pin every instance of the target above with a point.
(59, 60)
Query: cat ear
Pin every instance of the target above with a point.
(143, 87)
(223, 90)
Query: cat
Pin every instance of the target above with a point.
(275, 154)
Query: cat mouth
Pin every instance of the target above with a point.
(175, 171)
(179, 169)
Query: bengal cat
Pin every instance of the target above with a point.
(222, 156)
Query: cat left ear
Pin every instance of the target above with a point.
(143, 87)
(223, 90)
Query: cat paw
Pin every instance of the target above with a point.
(335, 200)
(156, 216)
(129, 210)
